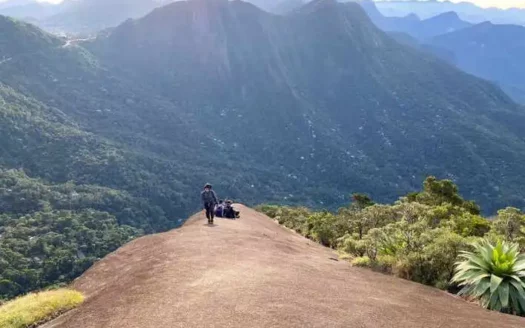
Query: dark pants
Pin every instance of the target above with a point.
(210, 210)
(230, 213)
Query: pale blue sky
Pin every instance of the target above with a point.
(497, 3)
(504, 4)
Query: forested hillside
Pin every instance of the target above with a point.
(494, 52)
(490, 51)
(344, 96)
(305, 108)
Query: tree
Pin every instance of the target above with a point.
(438, 192)
(371, 217)
(8, 288)
(361, 201)
(510, 224)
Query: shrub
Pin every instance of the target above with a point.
(385, 263)
(294, 218)
(269, 210)
(372, 217)
(467, 224)
(321, 228)
(33, 309)
(495, 275)
(436, 263)
(418, 238)
(509, 225)
(345, 257)
(350, 244)
(291, 217)
(363, 262)
(411, 212)
(414, 252)
(394, 239)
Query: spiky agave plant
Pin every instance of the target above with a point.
(495, 275)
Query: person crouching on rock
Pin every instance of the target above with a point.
(209, 200)
(229, 211)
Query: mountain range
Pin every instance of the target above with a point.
(89, 16)
(303, 108)
(411, 24)
(490, 51)
(466, 10)
(243, 54)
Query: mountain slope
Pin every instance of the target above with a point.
(89, 16)
(153, 155)
(51, 137)
(50, 233)
(304, 108)
(253, 273)
(344, 96)
(345, 129)
(494, 52)
(407, 24)
(45, 143)
(19, 38)
(28, 10)
(441, 24)
(79, 16)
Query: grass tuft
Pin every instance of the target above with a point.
(363, 262)
(36, 308)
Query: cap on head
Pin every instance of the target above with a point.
(207, 186)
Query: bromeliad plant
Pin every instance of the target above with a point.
(495, 275)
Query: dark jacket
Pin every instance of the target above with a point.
(229, 212)
(219, 211)
(209, 197)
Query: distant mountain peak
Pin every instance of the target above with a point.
(319, 5)
(447, 15)
(412, 17)
(212, 2)
(485, 24)
(450, 14)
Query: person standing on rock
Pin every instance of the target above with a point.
(209, 200)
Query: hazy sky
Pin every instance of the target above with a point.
(491, 3)
(481, 3)
(497, 3)
(51, 1)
